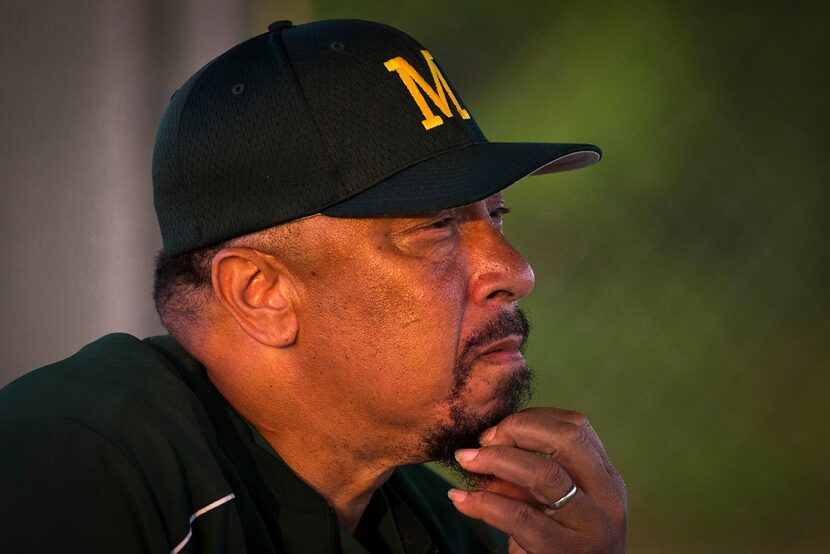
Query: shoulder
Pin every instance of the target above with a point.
(109, 375)
(109, 436)
(67, 487)
(116, 386)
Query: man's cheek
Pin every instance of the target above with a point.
(485, 386)
(481, 391)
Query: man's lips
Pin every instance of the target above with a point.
(506, 350)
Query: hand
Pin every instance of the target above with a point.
(518, 501)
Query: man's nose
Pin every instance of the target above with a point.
(499, 272)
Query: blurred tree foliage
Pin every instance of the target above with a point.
(682, 284)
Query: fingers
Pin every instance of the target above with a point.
(513, 548)
(511, 490)
(593, 520)
(552, 420)
(530, 528)
(568, 437)
(546, 480)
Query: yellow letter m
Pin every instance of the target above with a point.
(438, 95)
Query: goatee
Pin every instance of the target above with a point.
(512, 394)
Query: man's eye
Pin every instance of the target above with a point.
(441, 223)
(498, 214)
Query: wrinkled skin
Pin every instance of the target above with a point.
(345, 351)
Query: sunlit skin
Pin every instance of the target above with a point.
(341, 353)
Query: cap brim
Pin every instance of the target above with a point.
(463, 176)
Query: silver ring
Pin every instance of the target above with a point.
(565, 499)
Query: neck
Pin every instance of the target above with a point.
(345, 474)
(326, 437)
(329, 447)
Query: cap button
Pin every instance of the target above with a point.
(279, 24)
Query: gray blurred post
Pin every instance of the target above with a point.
(84, 85)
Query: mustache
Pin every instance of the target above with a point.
(512, 391)
(507, 323)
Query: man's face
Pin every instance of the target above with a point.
(410, 326)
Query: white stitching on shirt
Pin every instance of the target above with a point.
(196, 514)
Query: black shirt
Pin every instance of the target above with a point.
(126, 446)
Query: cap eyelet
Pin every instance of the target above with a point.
(238, 88)
(337, 46)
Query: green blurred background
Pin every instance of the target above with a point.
(682, 284)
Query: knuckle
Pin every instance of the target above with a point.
(618, 513)
(614, 473)
(599, 540)
(527, 547)
(475, 498)
(603, 540)
(505, 425)
(623, 491)
(545, 537)
(605, 537)
(580, 435)
(522, 514)
(516, 424)
(619, 495)
(568, 415)
(579, 419)
(489, 455)
(551, 478)
(516, 420)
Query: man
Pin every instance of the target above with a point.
(342, 306)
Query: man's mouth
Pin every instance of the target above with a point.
(505, 351)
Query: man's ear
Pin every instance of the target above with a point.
(258, 291)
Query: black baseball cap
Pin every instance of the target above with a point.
(346, 118)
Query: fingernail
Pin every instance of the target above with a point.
(465, 455)
(488, 435)
(457, 495)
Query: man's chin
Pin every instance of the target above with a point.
(465, 425)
